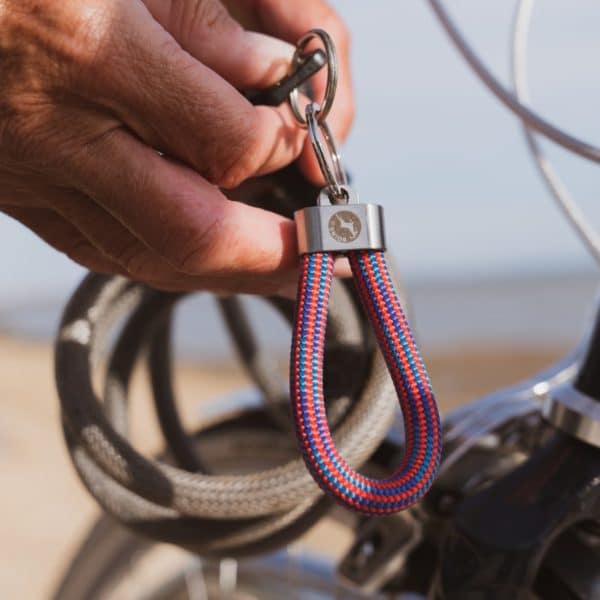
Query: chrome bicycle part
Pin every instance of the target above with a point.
(575, 413)
(502, 540)
(466, 425)
(332, 74)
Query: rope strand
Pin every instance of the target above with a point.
(421, 419)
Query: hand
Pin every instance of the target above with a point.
(90, 90)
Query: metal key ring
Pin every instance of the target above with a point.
(332, 75)
(332, 169)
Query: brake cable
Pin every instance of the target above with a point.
(528, 116)
(533, 123)
(566, 203)
(339, 224)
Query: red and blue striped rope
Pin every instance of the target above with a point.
(421, 419)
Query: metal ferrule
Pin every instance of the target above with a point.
(574, 413)
(340, 227)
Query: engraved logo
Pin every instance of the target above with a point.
(344, 226)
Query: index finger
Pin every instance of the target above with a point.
(290, 21)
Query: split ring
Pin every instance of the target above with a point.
(332, 169)
(332, 75)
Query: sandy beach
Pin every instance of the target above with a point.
(44, 510)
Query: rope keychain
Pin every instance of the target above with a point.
(339, 224)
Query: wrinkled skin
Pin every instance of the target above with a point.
(90, 90)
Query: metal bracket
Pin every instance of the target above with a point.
(331, 227)
(574, 413)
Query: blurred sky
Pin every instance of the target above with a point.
(435, 148)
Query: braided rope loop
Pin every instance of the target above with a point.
(421, 419)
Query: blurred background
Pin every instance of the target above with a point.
(499, 285)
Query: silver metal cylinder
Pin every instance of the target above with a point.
(340, 227)
(574, 413)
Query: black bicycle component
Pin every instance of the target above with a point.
(379, 552)
(571, 568)
(588, 380)
(574, 408)
(501, 536)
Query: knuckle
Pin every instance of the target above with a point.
(100, 55)
(12, 134)
(59, 42)
(234, 175)
(43, 51)
(79, 250)
(24, 99)
(129, 255)
(190, 248)
(208, 13)
(240, 158)
(189, 16)
(98, 50)
(85, 157)
(30, 134)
